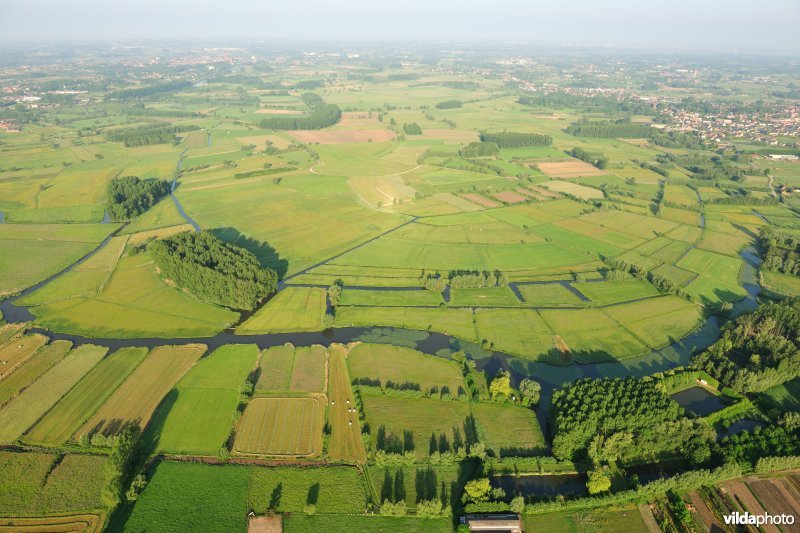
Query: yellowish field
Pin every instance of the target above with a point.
(569, 169)
(292, 309)
(345, 441)
(17, 350)
(83, 523)
(137, 398)
(286, 427)
(579, 191)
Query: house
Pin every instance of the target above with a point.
(497, 522)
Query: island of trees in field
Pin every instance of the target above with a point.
(145, 135)
(322, 115)
(130, 196)
(213, 270)
(510, 139)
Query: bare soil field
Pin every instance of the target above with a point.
(706, 515)
(480, 200)
(265, 524)
(358, 120)
(510, 197)
(742, 495)
(776, 495)
(569, 169)
(342, 136)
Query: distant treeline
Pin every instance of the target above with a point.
(130, 196)
(262, 172)
(144, 135)
(463, 85)
(449, 104)
(598, 103)
(143, 92)
(322, 115)
(628, 130)
(213, 270)
(509, 139)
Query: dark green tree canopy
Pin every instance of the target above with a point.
(131, 196)
(213, 270)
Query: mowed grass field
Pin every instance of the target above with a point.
(32, 369)
(134, 302)
(192, 497)
(85, 398)
(345, 442)
(508, 429)
(137, 398)
(35, 484)
(17, 350)
(23, 411)
(286, 368)
(197, 416)
(422, 416)
(398, 364)
(286, 427)
(30, 253)
(292, 309)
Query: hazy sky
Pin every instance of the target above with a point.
(747, 25)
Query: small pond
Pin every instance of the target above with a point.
(542, 485)
(745, 424)
(699, 401)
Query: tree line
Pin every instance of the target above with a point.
(510, 139)
(614, 130)
(213, 270)
(412, 128)
(322, 115)
(130, 196)
(145, 135)
(449, 104)
(597, 103)
(480, 149)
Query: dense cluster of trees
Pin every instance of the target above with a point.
(780, 251)
(213, 270)
(628, 130)
(152, 90)
(473, 279)
(449, 104)
(145, 135)
(711, 168)
(579, 153)
(747, 447)
(758, 350)
(322, 115)
(510, 139)
(130, 196)
(262, 172)
(412, 128)
(676, 139)
(480, 149)
(605, 419)
(120, 467)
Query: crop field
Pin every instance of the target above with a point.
(196, 417)
(283, 427)
(569, 169)
(457, 322)
(85, 398)
(366, 524)
(192, 496)
(717, 278)
(508, 430)
(345, 442)
(487, 297)
(549, 295)
(23, 411)
(424, 417)
(137, 398)
(293, 309)
(35, 484)
(286, 368)
(32, 369)
(89, 523)
(18, 350)
(386, 363)
(610, 292)
(579, 191)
